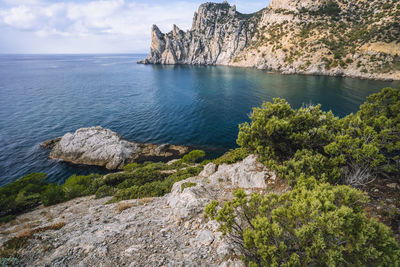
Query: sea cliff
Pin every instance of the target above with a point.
(338, 38)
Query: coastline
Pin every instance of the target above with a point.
(289, 72)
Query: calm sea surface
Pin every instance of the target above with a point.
(45, 96)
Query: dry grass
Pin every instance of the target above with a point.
(30, 232)
(10, 248)
(123, 206)
(144, 201)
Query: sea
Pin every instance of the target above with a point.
(46, 96)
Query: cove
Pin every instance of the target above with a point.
(45, 96)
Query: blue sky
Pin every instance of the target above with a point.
(94, 26)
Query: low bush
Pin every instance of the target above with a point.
(315, 224)
(155, 188)
(309, 141)
(131, 167)
(194, 156)
(52, 194)
(232, 156)
(77, 186)
(21, 195)
(105, 191)
(187, 185)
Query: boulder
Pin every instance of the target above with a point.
(103, 147)
(208, 170)
(248, 173)
(211, 184)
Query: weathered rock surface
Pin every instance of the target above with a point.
(103, 147)
(165, 231)
(218, 33)
(317, 37)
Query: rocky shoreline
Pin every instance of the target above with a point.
(102, 147)
(276, 39)
(164, 231)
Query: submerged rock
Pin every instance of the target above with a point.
(103, 147)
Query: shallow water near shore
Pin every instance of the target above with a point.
(45, 96)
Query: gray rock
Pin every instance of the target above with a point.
(392, 185)
(222, 36)
(208, 170)
(248, 173)
(165, 231)
(103, 147)
(218, 33)
(204, 237)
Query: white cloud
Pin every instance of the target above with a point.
(95, 21)
(20, 17)
(96, 17)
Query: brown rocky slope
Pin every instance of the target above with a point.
(353, 38)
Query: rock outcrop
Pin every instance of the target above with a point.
(103, 147)
(218, 183)
(165, 231)
(323, 37)
(218, 33)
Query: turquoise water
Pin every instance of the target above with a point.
(45, 96)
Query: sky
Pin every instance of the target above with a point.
(94, 26)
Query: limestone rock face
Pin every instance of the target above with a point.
(296, 5)
(163, 231)
(289, 36)
(103, 147)
(218, 33)
(248, 174)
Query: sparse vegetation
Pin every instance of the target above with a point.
(311, 142)
(312, 225)
(10, 248)
(187, 185)
(123, 206)
(319, 222)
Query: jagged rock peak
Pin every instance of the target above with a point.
(218, 32)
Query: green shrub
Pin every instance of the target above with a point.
(232, 156)
(105, 191)
(21, 195)
(187, 185)
(76, 186)
(131, 167)
(52, 194)
(155, 188)
(277, 131)
(194, 156)
(307, 162)
(312, 225)
(311, 142)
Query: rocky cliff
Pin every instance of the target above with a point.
(326, 37)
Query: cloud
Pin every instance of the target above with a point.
(95, 17)
(97, 20)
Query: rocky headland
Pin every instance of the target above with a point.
(165, 231)
(325, 37)
(103, 147)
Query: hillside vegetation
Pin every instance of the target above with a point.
(324, 218)
(322, 221)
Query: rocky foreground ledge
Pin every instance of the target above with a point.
(165, 231)
(102, 147)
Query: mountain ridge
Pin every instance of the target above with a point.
(337, 38)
